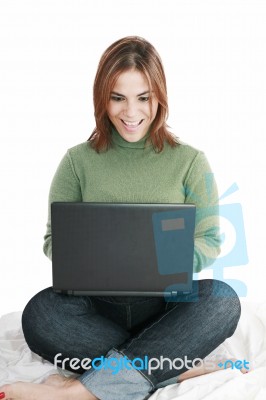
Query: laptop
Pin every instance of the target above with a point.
(118, 249)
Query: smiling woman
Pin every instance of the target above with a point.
(131, 72)
(130, 157)
(132, 107)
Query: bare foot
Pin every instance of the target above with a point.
(58, 380)
(205, 369)
(33, 391)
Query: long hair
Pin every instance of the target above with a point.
(131, 52)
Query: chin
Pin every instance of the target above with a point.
(132, 138)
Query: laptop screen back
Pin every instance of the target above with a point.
(122, 249)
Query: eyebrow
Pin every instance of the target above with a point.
(122, 95)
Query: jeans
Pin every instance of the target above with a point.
(82, 327)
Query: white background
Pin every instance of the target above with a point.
(214, 54)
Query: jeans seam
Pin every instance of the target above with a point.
(90, 301)
(90, 375)
(125, 303)
(128, 316)
(154, 323)
(141, 373)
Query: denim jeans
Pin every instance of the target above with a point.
(82, 327)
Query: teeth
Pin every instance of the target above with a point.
(132, 123)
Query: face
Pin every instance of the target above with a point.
(129, 108)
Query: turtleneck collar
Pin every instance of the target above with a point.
(120, 141)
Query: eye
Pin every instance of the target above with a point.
(144, 98)
(116, 98)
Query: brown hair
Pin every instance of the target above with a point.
(123, 55)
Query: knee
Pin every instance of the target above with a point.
(218, 288)
(230, 304)
(226, 299)
(36, 313)
(223, 290)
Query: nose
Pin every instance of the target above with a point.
(130, 109)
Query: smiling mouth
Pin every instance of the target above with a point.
(133, 124)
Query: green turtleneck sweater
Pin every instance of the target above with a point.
(134, 173)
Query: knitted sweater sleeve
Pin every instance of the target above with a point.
(201, 189)
(65, 186)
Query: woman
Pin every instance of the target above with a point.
(130, 157)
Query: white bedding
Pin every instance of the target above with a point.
(17, 362)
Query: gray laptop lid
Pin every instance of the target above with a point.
(122, 249)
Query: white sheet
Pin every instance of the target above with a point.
(17, 362)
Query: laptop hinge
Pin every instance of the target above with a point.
(175, 293)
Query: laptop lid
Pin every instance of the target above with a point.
(122, 249)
